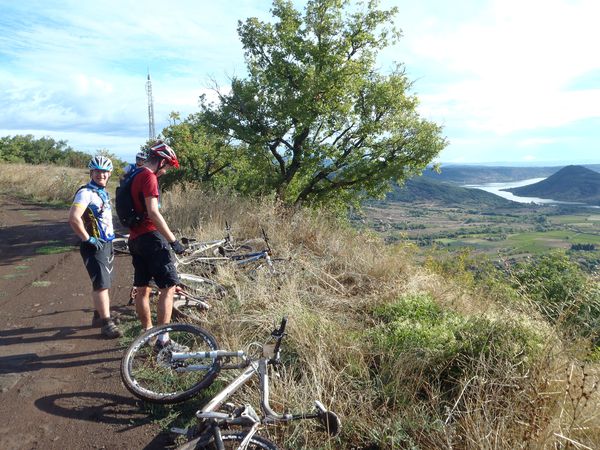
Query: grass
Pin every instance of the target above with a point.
(53, 249)
(409, 356)
(47, 184)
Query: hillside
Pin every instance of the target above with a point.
(571, 184)
(478, 174)
(450, 351)
(426, 190)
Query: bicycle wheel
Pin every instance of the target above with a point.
(188, 309)
(120, 246)
(230, 441)
(152, 375)
(201, 287)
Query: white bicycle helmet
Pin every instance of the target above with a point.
(141, 155)
(100, 162)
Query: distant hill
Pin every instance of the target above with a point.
(422, 189)
(476, 174)
(570, 184)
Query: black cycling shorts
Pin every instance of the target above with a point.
(99, 264)
(151, 258)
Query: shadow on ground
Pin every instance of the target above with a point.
(104, 408)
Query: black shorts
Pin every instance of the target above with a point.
(151, 258)
(99, 264)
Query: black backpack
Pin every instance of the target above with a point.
(126, 213)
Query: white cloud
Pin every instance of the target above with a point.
(484, 69)
(517, 61)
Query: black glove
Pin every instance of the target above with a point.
(177, 247)
(98, 244)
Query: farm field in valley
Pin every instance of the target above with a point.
(506, 232)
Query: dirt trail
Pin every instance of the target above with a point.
(59, 380)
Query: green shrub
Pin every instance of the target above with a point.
(562, 292)
(415, 339)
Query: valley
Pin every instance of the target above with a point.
(436, 215)
(509, 233)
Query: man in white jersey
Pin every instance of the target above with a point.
(90, 218)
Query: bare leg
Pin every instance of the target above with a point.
(165, 305)
(142, 306)
(101, 302)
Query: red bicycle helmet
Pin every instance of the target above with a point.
(165, 152)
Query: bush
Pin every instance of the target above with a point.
(562, 292)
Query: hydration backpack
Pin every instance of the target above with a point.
(126, 213)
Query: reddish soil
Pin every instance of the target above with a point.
(60, 386)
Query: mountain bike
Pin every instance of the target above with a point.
(252, 261)
(193, 374)
(192, 296)
(214, 247)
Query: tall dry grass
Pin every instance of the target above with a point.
(44, 183)
(335, 279)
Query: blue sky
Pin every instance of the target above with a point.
(509, 80)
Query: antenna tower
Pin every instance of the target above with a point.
(151, 132)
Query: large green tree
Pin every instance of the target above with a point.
(315, 115)
(205, 158)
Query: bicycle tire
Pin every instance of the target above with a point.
(188, 309)
(201, 287)
(151, 376)
(121, 246)
(231, 440)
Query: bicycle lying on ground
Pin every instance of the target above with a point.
(192, 296)
(207, 265)
(169, 376)
(215, 247)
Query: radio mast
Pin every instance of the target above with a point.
(151, 132)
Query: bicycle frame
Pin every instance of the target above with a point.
(248, 419)
(238, 260)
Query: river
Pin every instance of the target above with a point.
(495, 188)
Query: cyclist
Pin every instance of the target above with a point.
(140, 159)
(150, 239)
(90, 218)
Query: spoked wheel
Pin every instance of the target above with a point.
(152, 374)
(231, 441)
(188, 309)
(200, 287)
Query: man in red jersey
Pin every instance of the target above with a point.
(150, 241)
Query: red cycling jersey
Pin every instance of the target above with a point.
(146, 184)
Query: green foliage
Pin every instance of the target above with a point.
(561, 291)
(44, 150)
(28, 149)
(204, 157)
(443, 347)
(318, 123)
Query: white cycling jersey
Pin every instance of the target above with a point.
(97, 217)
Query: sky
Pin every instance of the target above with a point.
(510, 81)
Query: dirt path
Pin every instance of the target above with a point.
(59, 380)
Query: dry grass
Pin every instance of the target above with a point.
(42, 183)
(336, 277)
